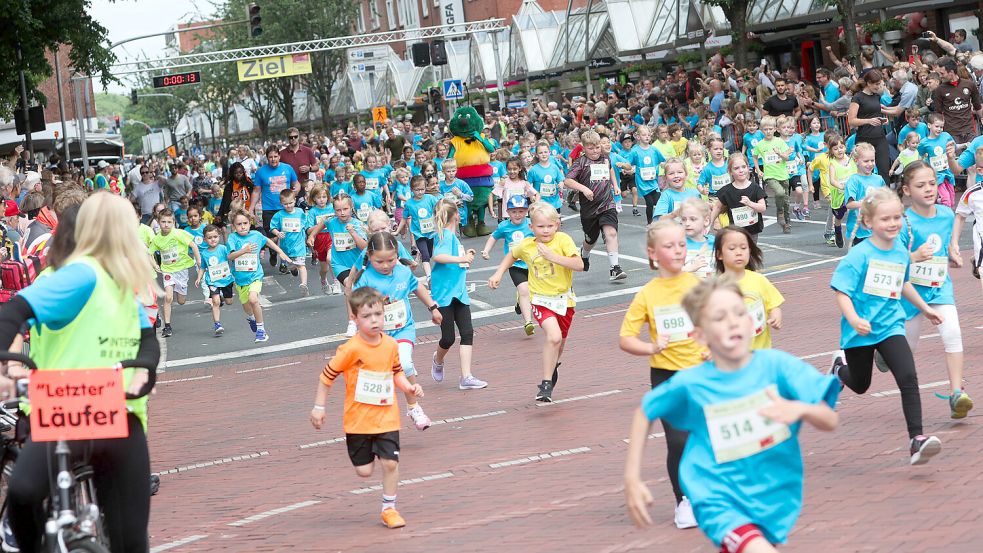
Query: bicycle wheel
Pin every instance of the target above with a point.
(85, 545)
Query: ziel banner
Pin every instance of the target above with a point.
(273, 67)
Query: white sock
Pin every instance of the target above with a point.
(260, 326)
(388, 502)
(613, 258)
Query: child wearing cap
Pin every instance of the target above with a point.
(514, 230)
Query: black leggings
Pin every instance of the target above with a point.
(895, 351)
(651, 199)
(460, 314)
(675, 438)
(121, 470)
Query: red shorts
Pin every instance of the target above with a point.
(738, 538)
(541, 313)
(322, 245)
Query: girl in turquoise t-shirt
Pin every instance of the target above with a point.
(244, 247)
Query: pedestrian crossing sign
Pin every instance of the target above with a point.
(453, 89)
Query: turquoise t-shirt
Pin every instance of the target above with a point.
(293, 225)
(856, 188)
(215, 264)
(421, 214)
(930, 278)
(872, 278)
(513, 234)
(246, 268)
(448, 280)
(396, 288)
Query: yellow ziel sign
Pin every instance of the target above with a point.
(272, 67)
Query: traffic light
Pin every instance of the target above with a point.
(255, 20)
(435, 97)
(133, 97)
(438, 53)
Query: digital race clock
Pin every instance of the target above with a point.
(177, 79)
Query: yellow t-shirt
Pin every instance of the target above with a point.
(658, 305)
(761, 297)
(545, 277)
(679, 146)
(821, 163)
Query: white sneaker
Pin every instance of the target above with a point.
(352, 329)
(335, 288)
(684, 515)
(420, 419)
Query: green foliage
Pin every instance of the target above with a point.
(40, 26)
(689, 57)
(881, 27)
(108, 104)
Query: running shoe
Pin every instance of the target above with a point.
(325, 288)
(352, 329)
(391, 518)
(154, 486)
(304, 290)
(573, 207)
(283, 268)
(834, 370)
(684, 515)
(880, 362)
(335, 288)
(831, 242)
(805, 212)
(436, 369)
(797, 211)
(617, 273)
(252, 325)
(518, 311)
(545, 392)
(960, 404)
(838, 233)
(293, 272)
(976, 270)
(529, 328)
(261, 336)
(634, 211)
(167, 332)
(9, 542)
(219, 329)
(471, 382)
(586, 262)
(924, 448)
(420, 419)
(787, 228)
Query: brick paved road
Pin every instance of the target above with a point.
(239, 472)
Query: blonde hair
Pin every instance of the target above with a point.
(652, 233)
(590, 138)
(545, 210)
(316, 191)
(874, 199)
(673, 161)
(444, 213)
(768, 121)
(698, 204)
(378, 215)
(448, 161)
(699, 296)
(107, 231)
(863, 147)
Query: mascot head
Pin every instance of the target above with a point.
(466, 122)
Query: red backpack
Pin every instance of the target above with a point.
(17, 275)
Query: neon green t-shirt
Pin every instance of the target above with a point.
(774, 165)
(173, 248)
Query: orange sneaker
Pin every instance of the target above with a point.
(391, 518)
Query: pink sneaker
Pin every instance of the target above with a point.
(420, 419)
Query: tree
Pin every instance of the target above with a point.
(256, 101)
(334, 18)
(220, 91)
(845, 9)
(736, 12)
(41, 27)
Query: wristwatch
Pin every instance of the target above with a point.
(433, 307)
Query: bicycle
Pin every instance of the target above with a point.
(74, 522)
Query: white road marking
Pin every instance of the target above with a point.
(649, 437)
(207, 464)
(273, 512)
(268, 368)
(542, 457)
(769, 220)
(177, 543)
(184, 379)
(482, 304)
(622, 256)
(793, 250)
(605, 313)
(578, 398)
(468, 417)
(408, 482)
(804, 266)
(935, 384)
(790, 280)
(324, 442)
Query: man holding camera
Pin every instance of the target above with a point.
(958, 100)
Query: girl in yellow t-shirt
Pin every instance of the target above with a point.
(671, 347)
(552, 257)
(738, 256)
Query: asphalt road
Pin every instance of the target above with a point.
(296, 323)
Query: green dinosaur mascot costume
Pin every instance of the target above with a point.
(472, 151)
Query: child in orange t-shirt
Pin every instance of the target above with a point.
(370, 363)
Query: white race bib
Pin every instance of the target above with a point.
(547, 189)
(599, 171)
(168, 257)
(342, 241)
(771, 158)
(321, 219)
(673, 322)
(931, 272)
(374, 388)
(756, 308)
(719, 181)
(372, 184)
(792, 165)
(708, 265)
(884, 279)
(744, 216)
(291, 225)
(647, 173)
(441, 177)
(939, 163)
(394, 315)
(513, 191)
(219, 271)
(737, 431)
(427, 225)
(556, 304)
(247, 263)
(461, 253)
(363, 212)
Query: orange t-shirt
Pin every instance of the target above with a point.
(358, 355)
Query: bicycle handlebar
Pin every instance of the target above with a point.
(128, 364)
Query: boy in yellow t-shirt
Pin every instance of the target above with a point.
(671, 347)
(552, 257)
(370, 363)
